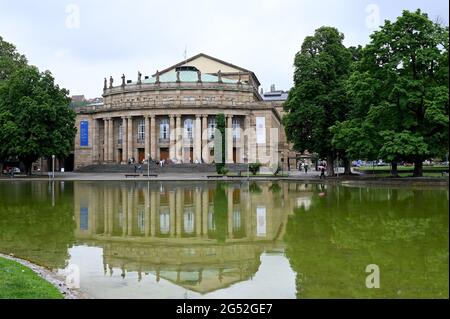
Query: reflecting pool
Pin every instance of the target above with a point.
(139, 239)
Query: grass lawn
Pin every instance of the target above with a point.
(20, 282)
(400, 168)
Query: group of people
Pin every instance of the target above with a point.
(303, 166)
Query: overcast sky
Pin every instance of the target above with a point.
(83, 41)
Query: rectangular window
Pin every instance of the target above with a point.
(120, 140)
(236, 129)
(141, 131)
(164, 129)
(211, 127)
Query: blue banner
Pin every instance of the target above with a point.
(84, 133)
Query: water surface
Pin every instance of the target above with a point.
(138, 239)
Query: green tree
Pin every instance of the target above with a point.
(219, 143)
(35, 118)
(402, 83)
(318, 98)
(10, 60)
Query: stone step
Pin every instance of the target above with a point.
(171, 168)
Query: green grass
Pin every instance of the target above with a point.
(20, 282)
(400, 168)
(425, 174)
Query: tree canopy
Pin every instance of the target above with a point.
(35, 118)
(318, 98)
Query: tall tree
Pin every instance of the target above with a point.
(318, 98)
(407, 64)
(35, 118)
(10, 60)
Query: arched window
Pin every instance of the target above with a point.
(188, 129)
(164, 129)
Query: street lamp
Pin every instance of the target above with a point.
(53, 166)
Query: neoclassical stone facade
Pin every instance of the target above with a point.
(171, 115)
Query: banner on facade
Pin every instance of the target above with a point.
(84, 133)
(261, 130)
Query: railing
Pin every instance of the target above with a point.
(163, 140)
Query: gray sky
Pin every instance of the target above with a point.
(83, 41)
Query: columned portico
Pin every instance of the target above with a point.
(124, 140)
(205, 150)
(105, 140)
(147, 136)
(198, 140)
(178, 138)
(130, 141)
(172, 144)
(152, 137)
(229, 139)
(110, 140)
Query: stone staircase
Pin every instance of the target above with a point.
(156, 169)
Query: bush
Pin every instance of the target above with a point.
(222, 170)
(254, 168)
(276, 169)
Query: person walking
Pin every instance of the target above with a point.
(322, 172)
(306, 168)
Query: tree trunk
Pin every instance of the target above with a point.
(418, 165)
(347, 166)
(394, 170)
(330, 165)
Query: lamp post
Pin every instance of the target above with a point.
(53, 166)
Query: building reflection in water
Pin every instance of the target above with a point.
(202, 236)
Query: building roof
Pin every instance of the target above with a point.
(200, 55)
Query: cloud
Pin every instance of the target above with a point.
(113, 37)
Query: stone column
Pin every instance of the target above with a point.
(95, 142)
(179, 211)
(230, 212)
(153, 138)
(130, 213)
(111, 141)
(105, 140)
(178, 139)
(205, 208)
(130, 141)
(229, 139)
(153, 213)
(172, 137)
(124, 210)
(198, 212)
(124, 141)
(147, 136)
(147, 210)
(172, 212)
(198, 139)
(205, 149)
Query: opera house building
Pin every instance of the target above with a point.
(171, 115)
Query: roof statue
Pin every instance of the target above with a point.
(139, 81)
(199, 76)
(219, 75)
(239, 80)
(123, 79)
(111, 81)
(157, 77)
(105, 84)
(178, 76)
